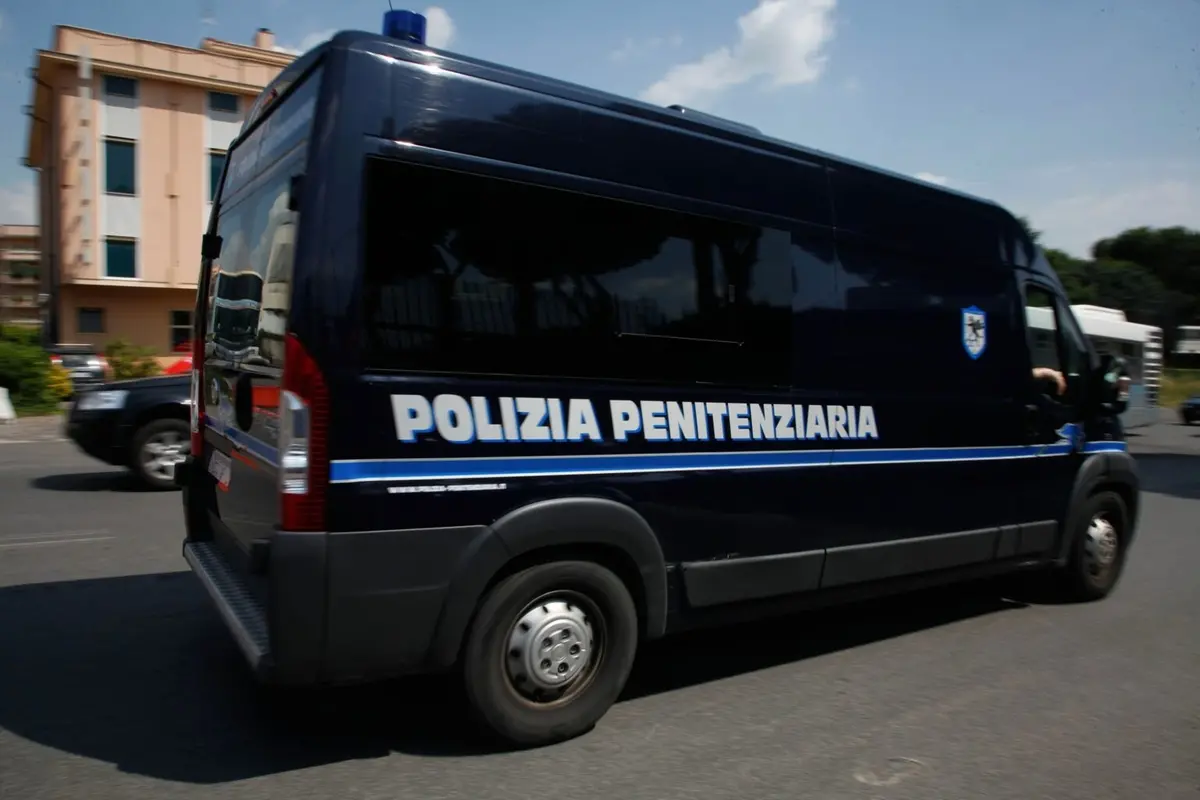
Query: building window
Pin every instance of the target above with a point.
(91, 320)
(216, 163)
(181, 330)
(120, 173)
(223, 102)
(116, 86)
(120, 258)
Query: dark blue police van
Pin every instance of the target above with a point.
(534, 374)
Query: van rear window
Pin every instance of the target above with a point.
(250, 286)
(467, 273)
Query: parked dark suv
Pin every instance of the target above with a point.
(83, 362)
(1189, 410)
(138, 424)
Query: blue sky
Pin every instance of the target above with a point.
(1082, 114)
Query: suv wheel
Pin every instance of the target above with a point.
(157, 447)
(549, 652)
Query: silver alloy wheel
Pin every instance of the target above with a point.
(1100, 546)
(553, 649)
(161, 452)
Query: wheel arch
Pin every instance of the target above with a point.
(578, 528)
(166, 409)
(1115, 472)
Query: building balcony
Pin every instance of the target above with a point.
(18, 302)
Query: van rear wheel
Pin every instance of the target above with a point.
(549, 652)
(1098, 550)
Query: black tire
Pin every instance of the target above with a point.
(143, 437)
(1085, 578)
(492, 668)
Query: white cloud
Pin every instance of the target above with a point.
(1075, 222)
(1076, 204)
(631, 48)
(307, 43)
(439, 27)
(439, 33)
(779, 41)
(940, 180)
(18, 204)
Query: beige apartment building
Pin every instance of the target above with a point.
(129, 137)
(20, 271)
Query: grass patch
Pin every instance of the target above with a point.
(1177, 386)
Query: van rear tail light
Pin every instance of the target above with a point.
(303, 434)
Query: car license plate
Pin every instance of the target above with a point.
(219, 468)
(81, 374)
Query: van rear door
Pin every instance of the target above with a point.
(244, 356)
(246, 313)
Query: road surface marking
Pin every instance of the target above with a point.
(45, 542)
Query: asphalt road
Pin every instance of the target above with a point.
(118, 681)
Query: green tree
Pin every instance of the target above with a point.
(1172, 256)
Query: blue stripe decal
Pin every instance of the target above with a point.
(442, 469)
(256, 447)
(1106, 447)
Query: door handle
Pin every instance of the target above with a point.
(1032, 415)
(243, 401)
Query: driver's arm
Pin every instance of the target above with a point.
(1051, 376)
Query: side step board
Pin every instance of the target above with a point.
(241, 611)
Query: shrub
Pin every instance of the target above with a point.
(22, 335)
(1177, 386)
(25, 369)
(58, 383)
(129, 361)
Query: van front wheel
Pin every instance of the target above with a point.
(1098, 550)
(549, 652)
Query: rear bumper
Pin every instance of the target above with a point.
(242, 613)
(84, 384)
(327, 607)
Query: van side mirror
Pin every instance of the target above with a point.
(1113, 383)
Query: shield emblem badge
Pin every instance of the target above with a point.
(974, 331)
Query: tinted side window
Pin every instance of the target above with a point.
(918, 324)
(1042, 323)
(916, 216)
(471, 274)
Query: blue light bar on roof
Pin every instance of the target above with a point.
(408, 26)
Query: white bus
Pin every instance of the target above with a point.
(1109, 331)
(1187, 341)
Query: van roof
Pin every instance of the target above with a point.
(684, 118)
